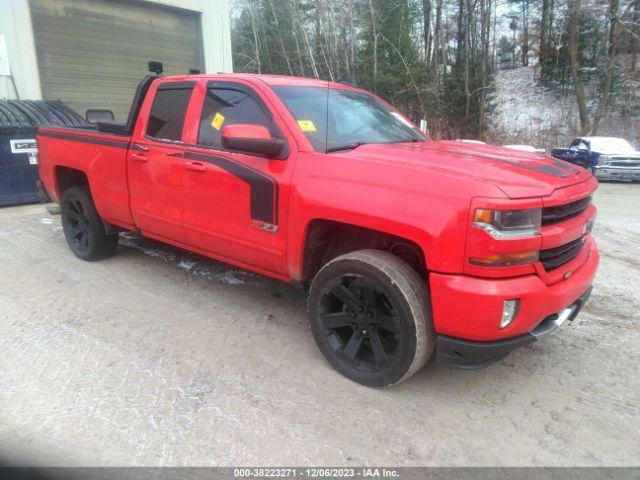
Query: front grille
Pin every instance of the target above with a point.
(560, 213)
(624, 164)
(556, 257)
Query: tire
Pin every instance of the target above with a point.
(370, 315)
(83, 228)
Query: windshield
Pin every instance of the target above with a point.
(610, 145)
(353, 118)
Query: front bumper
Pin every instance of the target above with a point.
(465, 354)
(467, 310)
(607, 172)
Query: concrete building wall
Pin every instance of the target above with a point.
(16, 26)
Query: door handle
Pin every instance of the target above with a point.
(140, 148)
(196, 166)
(139, 157)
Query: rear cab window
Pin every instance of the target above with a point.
(168, 112)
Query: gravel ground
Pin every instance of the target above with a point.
(161, 357)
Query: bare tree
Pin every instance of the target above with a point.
(279, 33)
(525, 33)
(544, 30)
(426, 16)
(437, 58)
(635, 36)
(305, 36)
(612, 52)
(574, 18)
(255, 37)
(374, 31)
(485, 38)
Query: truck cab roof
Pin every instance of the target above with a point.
(271, 80)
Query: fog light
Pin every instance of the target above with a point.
(509, 311)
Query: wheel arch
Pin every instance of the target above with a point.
(326, 239)
(66, 177)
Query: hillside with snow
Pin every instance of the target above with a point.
(526, 113)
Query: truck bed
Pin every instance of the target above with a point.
(95, 154)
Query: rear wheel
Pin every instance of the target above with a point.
(371, 317)
(83, 228)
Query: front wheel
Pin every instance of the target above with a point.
(83, 228)
(370, 315)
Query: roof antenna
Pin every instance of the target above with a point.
(155, 67)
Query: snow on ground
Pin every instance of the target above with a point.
(189, 262)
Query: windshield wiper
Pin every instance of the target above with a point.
(351, 146)
(408, 140)
(339, 148)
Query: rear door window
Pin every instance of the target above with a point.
(168, 112)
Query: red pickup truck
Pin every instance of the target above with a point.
(409, 246)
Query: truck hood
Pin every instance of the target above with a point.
(518, 174)
(624, 156)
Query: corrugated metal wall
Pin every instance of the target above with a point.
(93, 53)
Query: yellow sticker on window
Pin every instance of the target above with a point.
(217, 121)
(306, 126)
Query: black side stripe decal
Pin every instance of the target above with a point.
(82, 138)
(540, 169)
(264, 189)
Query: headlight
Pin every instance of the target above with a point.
(506, 224)
(604, 160)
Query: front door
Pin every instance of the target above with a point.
(234, 203)
(155, 164)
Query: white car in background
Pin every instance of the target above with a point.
(525, 148)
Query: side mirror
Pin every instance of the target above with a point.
(249, 138)
(99, 115)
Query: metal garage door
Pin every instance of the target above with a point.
(93, 53)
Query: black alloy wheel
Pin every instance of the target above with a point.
(370, 315)
(360, 323)
(83, 228)
(78, 226)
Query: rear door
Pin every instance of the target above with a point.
(235, 203)
(155, 164)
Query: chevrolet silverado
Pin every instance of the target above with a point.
(410, 247)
